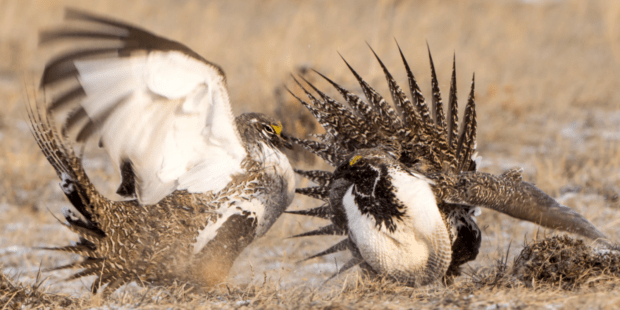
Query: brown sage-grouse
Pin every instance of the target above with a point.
(199, 184)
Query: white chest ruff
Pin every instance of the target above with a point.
(279, 195)
(277, 164)
(265, 206)
(254, 206)
(406, 250)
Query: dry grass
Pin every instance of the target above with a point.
(15, 295)
(568, 263)
(546, 76)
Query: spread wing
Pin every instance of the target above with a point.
(161, 111)
(509, 194)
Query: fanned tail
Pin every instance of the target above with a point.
(412, 132)
(329, 230)
(323, 212)
(77, 188)
(348, 265)
(323, 178)
(74, 182)
(453, 110)
(410, 135)
(466, 145)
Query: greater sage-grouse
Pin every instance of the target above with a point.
(199, 183)
(406, 187)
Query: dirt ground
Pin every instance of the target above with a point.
(547, 100)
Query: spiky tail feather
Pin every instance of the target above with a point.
(78, 189)
(412, 134)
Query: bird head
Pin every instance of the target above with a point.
(364, 168)
(369, 170)
(258, 127)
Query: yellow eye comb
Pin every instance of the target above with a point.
(354, 160)
(277, 128)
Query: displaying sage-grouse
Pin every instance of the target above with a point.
(199, 184)
(405, 186)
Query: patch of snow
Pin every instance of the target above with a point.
(4, 207)
(498, 306)
(554, 306)
(10, 227)
(15, 249)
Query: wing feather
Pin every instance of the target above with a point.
(153, 102)
(508, 194)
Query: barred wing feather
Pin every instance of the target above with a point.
(154, 103)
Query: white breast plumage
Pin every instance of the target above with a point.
(407, 249)
(277, 164)
(254, 206)
(265, 208)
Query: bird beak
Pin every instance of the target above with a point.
(340, 171)
(286, 141)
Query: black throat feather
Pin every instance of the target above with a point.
(374, 194)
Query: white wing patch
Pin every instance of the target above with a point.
(174, 75)
(170, 116)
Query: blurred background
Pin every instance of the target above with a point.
(546, 92)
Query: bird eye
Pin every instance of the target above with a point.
(354, 160)
(269, 129)
(277, 129)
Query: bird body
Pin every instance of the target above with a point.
(405, 188)
(398, 228)
(186, 236)
(198, 183)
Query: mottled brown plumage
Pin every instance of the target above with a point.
(199, 183)
(509, 194)
(124, 241)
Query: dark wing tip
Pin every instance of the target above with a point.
(77, 14)
(74, 13)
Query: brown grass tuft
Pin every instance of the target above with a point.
(567, 263)
(16, 295)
